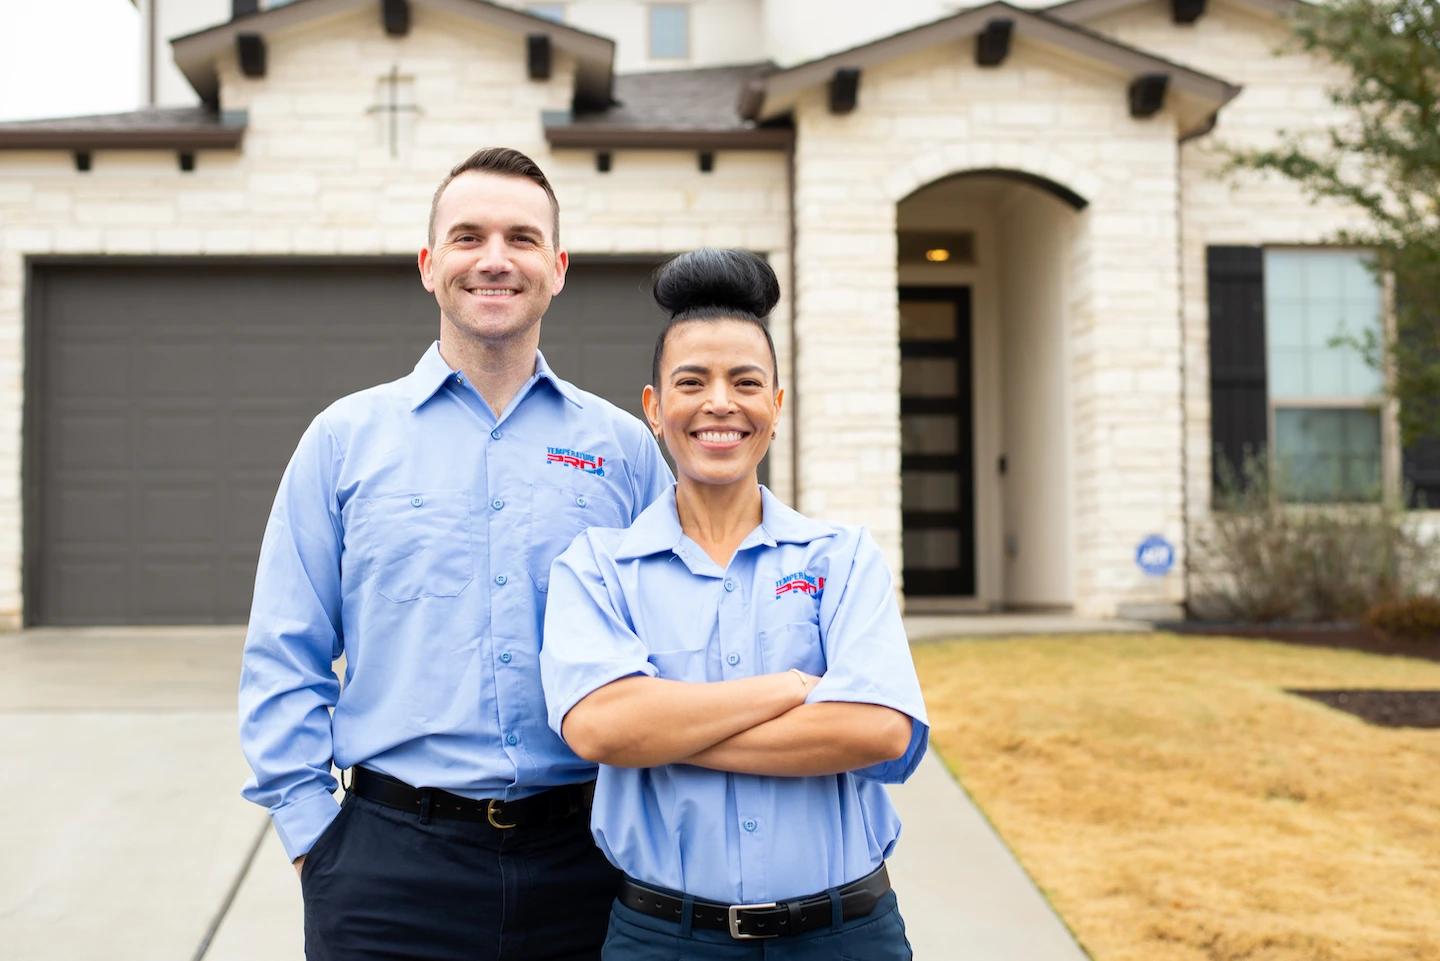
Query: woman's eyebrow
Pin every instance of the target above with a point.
(747, 369)
(689, 369)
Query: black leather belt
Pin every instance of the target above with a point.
(746, 921)
(556, 804)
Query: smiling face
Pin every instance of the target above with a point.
(492, 265)
(717, 405)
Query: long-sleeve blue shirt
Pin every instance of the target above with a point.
(413, 532)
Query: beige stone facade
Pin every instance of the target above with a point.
(1124, 277)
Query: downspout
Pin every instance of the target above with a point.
(1186, 569)
(794, 395)
(151, 75)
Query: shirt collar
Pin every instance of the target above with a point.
(658, 527)
(432, 372)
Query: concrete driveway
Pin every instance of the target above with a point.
(127, 838)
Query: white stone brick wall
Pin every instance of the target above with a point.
(1036, 115)
(1238, 43)
(315, 177)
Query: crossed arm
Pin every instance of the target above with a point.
(756, 725)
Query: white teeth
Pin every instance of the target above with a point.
(487, 292)
(718, 436)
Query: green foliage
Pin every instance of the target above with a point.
(1383, 158)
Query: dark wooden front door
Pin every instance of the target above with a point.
(937, 470)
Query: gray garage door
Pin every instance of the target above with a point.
(164, 399)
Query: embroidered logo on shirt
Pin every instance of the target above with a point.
(800, 583)
(589, 463)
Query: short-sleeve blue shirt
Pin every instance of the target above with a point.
(413, 532)
(797, 593)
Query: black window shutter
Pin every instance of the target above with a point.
(1238, 401)
(1422, 472)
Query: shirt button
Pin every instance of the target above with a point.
(497, 503)
(511, 739)
(500, 579)
(494, 435)
(505, 658)
(733, 659)
(580, 501)
(729, 584)
(750, 824)
(416, 501)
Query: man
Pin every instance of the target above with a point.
(413, 532)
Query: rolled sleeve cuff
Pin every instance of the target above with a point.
(899, 770)
(560, 706)
(301, 823)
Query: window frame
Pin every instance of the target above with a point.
(650, 32)
(1385, 408)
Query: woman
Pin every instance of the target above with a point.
(739, 671)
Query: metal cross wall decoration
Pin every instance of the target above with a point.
(393, 108)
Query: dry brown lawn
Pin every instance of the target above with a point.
(1174, 803)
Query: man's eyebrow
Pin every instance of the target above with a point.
(469, 228)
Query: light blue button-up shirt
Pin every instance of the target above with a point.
(413, 532)
(797, 593)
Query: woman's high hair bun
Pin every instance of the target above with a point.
(709, 283)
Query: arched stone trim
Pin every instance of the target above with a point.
(1037, 165)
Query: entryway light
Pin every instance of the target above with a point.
(938, 255)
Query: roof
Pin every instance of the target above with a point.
(196, 53)
(692, 109)
(171, 128)
(1081, 11)
(1201, 93)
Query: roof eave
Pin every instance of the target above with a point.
(610, 137)
(195, 53)
(1080, 11)
(781, 88)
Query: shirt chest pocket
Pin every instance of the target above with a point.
(557, 516)
(792, 645)
(419, 544)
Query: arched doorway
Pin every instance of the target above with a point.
(990, 272)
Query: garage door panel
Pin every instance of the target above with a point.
(181, 518)
(172, 441)
(92, 517)
(93, 371)
(183, 588)
(90, 441)
(173, 394)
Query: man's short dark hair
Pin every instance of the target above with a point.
(503, 162)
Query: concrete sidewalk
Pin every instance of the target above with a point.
(144, 850)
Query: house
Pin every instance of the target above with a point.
(1022, 307)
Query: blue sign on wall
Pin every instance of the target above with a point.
(1155, 555)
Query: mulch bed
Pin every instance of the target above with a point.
(1382, 708)
(1355, 637)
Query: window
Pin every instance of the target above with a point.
(669, 31)
(1324, 411)
(550, 11)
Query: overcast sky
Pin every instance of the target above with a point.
(68, 57)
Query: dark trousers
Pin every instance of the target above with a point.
(379, 884)
(879, 936)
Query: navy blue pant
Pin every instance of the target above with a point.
(379, 884)
(879, 936)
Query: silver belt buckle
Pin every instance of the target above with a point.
(733, 912)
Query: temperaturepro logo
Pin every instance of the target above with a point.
(800, 583)
(589, 463)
